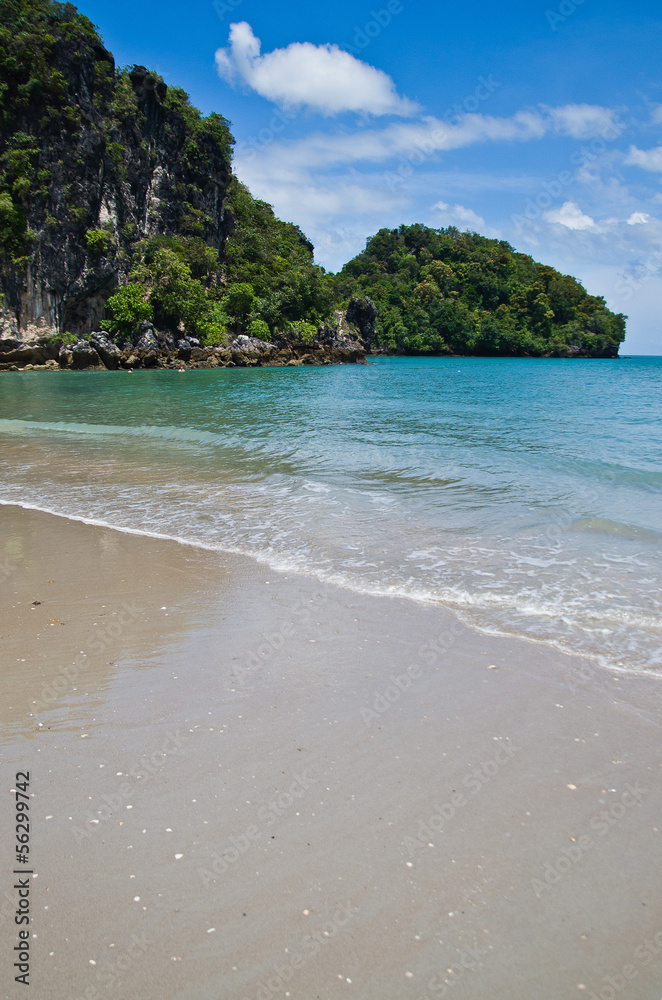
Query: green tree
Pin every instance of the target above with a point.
(176, 297)
(260, 329)
(126, 309)
(238, 300)
(99, 241)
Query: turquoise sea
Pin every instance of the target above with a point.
(523, 494)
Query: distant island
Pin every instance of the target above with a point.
(127, 241)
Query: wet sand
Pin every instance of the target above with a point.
(248, 786)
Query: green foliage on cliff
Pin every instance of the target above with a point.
(15, 237)
(305, 332)
(99, 241)
(259, 329)
(126, 309)
(173, 282)
(443, 291)
(214, 125)
(29, 32)
(276, 259)
(64, 108)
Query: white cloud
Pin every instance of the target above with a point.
(584, 121)
(638, 218)
(569, 215)
(414, 142)
(321, 77)
(458, 215)
(656, 115)
(649, 159)
(322, 202)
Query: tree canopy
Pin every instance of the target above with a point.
(440, 291)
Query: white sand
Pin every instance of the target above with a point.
(234, 800)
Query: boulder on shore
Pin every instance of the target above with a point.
(109, 352)
(147, 345)
(83, 355)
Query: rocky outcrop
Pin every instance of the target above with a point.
(108, 352)
(83, 355)
(16, 354)
(362, 314)
(251, 347)
(155, 350)
(575, 351)
(185, 346)
(147, 348)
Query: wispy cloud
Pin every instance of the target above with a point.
(377, 145)
(649, 159)
(323, 78)
(582, 121)
(428, 135)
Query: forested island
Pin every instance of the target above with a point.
(126, 240)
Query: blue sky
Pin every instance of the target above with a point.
(539, 123)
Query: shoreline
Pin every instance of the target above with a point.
(333, 581)
(101, 354)
(331, 786)
(295, 358)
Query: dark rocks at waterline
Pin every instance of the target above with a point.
(185, 346)
(252, 347)
(153, 350)
(83, 355)
(17, 354)
(108, 352)
(147, 346)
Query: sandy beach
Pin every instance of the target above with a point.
(247, 785)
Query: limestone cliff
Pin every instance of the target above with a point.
(93, 161)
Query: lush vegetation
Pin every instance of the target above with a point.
(444, 291)
(275, 259)
(243, 271)
(179, 282)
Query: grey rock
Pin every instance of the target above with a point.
(10, 344)
(184, 348)
(83, 355)
(65, 357)
(109, 352)
(362, 313)
(251, 345)
(147, 344)
(166, 341)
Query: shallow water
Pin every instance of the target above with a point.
(524, 494)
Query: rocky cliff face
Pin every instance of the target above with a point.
(93, 161)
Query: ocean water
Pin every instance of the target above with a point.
(523, 494)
